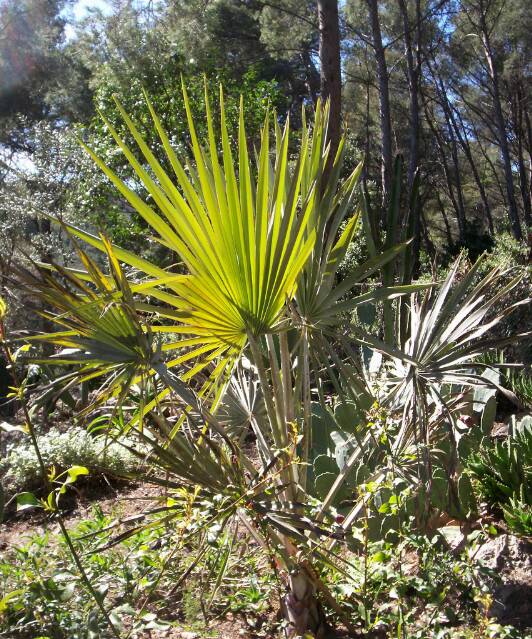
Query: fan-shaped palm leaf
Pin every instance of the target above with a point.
(243, 244)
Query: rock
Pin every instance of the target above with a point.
(453, 536)
(188, 635)
(506, 553)
(512, 604)
(510, 557)
(252, 622)
(500, 429)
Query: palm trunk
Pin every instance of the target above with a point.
(301, 607)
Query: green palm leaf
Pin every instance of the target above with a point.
(244, 245)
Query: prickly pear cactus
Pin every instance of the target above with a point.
(452, 491)
(334, 439)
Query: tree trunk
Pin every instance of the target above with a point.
(523, 172)
(458, 175)
(452, 113)
(367, 120)
(429, 245)
(513, 213)
(384, 100)
(412, 67)
(330, 70)
(413, 74)
(457, 201)
(301, 607)
(528, 143)
(445, 220)
(312, 76)
(489, 162)
(464, 143)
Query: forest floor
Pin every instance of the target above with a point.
(124, 503)
(510, 556)
(253, 611)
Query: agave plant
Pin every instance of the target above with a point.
(250, 332)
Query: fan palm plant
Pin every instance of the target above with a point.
(252, 323)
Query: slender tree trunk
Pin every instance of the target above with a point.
(523, 172)
(367, 120)
(412, 67)
(429, 245)
(445, 220)
(312, 76)
(457, 174)
(458, 180)
(464, 143)
(513, 212)
(330, 68)
(411, 40)
(452, 113)
(384, 99)
(490, 163)
(457, 200)
(528, 143)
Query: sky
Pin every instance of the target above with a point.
(81, 6)
(79, 11)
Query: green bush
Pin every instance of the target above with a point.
(42, 595)
(520, 382)
(503, 470)
(76, 447)
(518, 516)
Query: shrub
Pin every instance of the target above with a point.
(75, 447)
(518, 516)
(503, 470)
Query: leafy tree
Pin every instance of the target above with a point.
(125, 53)
(39, 79)
(290, 31)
